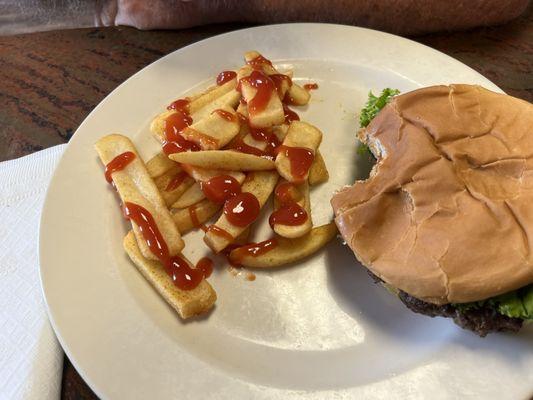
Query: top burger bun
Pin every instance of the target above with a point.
(447, 214)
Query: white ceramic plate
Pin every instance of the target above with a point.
(321, 329)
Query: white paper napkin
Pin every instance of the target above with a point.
(31, 358)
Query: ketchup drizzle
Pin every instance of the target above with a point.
(226, 115)
(290, 115)
(176, 181)
(205, 265)
(220, 188)
(265, 87)
(242, 147)
(278, 80)
(300, 159)
(118, 164)
(194, 216)
(261, 134)
(258, 62)
(289, 211)
(180, 105)
(174, 124)
(220, 232)
(243, 209)
(183, 276)
(291, 214)
(225, 76)
(192, 135)
(311, 86)
(253, 249)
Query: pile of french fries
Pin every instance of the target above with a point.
(169, 186)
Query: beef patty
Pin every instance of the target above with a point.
(480, 320)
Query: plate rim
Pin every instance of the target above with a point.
(72, 142)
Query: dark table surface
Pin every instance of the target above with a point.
(50, 81)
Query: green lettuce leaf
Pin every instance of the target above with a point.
(515, 304)
(375, 104)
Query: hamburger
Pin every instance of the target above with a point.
(445, 219)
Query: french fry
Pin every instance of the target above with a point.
(173, 183)
(260, 184)
(281, 131)
(243, 110)
(295, 231)
(266, 67)
(228, 100)
(191, 196)
(298, 95)
(195, 194)
(157, 126)
(135, 185)
(214, 131)
(300, 134)
(211, 95)
(269, 69)
(202, 211)
(227, 160)
(272, 114)
(242, 239)
(287, 250)
(318, 173)
(202, 174)
(159, 165)
(187, 303)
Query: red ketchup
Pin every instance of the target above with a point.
(179, 270)
(225, 76)
(290, 115)
(242, 210)
(206, 140)
(300, 159)
(261, 134)
(265, 87)
(258, 62)
(311, 86)
(226, 115)
(220, 188)
(288, 99)
(180, 105)
(269, 137)
(227, 251)
(286, 192)
(242, 147)
(174, 141)
(176, 181)
(194, 216)
(215, 230)
(278, 80)
(118, 164)
(205, 265)
(289, 212)
(252, 249)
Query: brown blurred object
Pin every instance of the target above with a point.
(403, 17)
(50, 81)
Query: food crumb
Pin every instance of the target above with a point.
(250, 276)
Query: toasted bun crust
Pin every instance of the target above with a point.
(447, 214)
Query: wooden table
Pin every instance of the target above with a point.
(50, 81)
